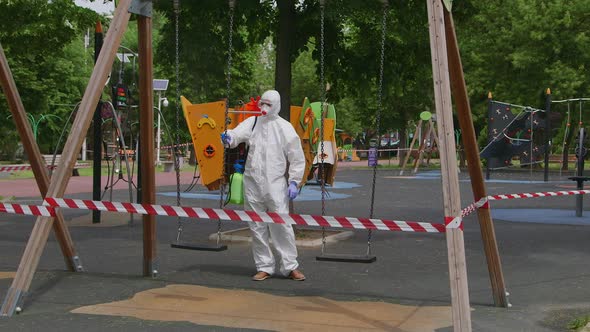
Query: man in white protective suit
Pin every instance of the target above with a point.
(274, 171)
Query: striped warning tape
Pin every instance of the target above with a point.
(174, 145)
(16, 168)
(240, 215)
(339, 150)
(229, 215)
(292, 219)
(538, 194)
(483, 202)
(33, 210)
(380, 150)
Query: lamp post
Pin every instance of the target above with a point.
(161, 102)
(160, 85)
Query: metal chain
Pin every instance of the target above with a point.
(227, 120)
(378, 120)
(323, 103)
(177, 136)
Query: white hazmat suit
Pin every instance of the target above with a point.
(275, 159)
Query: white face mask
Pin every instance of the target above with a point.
(270, 103)
(265, 107)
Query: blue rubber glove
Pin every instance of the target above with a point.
(293, 191)
(225, 139)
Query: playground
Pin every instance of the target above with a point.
(480, 224)
(406, 289)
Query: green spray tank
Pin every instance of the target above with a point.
(236, 187)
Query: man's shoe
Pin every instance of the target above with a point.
(297, 275)
(261, 276)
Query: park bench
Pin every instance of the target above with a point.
(50, 161)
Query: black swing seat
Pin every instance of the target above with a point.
(202, 247)
(346, 258)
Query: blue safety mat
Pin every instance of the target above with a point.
(429, 175)
(337, 185)
(308, 193)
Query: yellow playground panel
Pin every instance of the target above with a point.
(206, 123)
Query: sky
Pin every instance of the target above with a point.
(99, 6)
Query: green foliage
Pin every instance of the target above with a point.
(304, 81)
(355, 68)
(204, 44)
(517, 49)
(43, 42)
(578, 323)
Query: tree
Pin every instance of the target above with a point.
(44, 46)
(354, 64)
(517, 49)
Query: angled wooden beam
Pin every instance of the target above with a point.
(60, 178)
(448, 163)
(27, 137)
(486, 224)
(411, 147)
(146, 138)
(423, 141)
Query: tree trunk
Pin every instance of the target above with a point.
(283, 56)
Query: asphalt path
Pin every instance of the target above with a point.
(544, 258)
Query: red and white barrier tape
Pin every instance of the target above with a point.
(179, 145)
(454, 222)
(538, 194)
(484, 201)
(380, 150)
(240, 215)
(13, 168)
(473, 207)
(292, 219)
(225, 214)
(16, 168)
(33, 210)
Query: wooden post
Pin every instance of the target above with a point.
(449, 170)
(37, 164)
(433, 140)
(419, 125)
(422, 146)
(486, 224)
(146, 137)
(59, 180)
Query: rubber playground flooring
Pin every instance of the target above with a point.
(406, 289)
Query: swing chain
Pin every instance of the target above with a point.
(323, 93)
(378, 120)
(231, 4)
(177, 136)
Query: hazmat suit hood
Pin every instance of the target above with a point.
(270, 104)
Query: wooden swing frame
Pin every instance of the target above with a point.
(447, 72)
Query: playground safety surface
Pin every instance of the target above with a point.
(406, 289)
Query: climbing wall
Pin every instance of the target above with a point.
(513, 133)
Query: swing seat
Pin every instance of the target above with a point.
(201, 247)
(346, 258)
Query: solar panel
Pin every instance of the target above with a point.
(160, 85)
